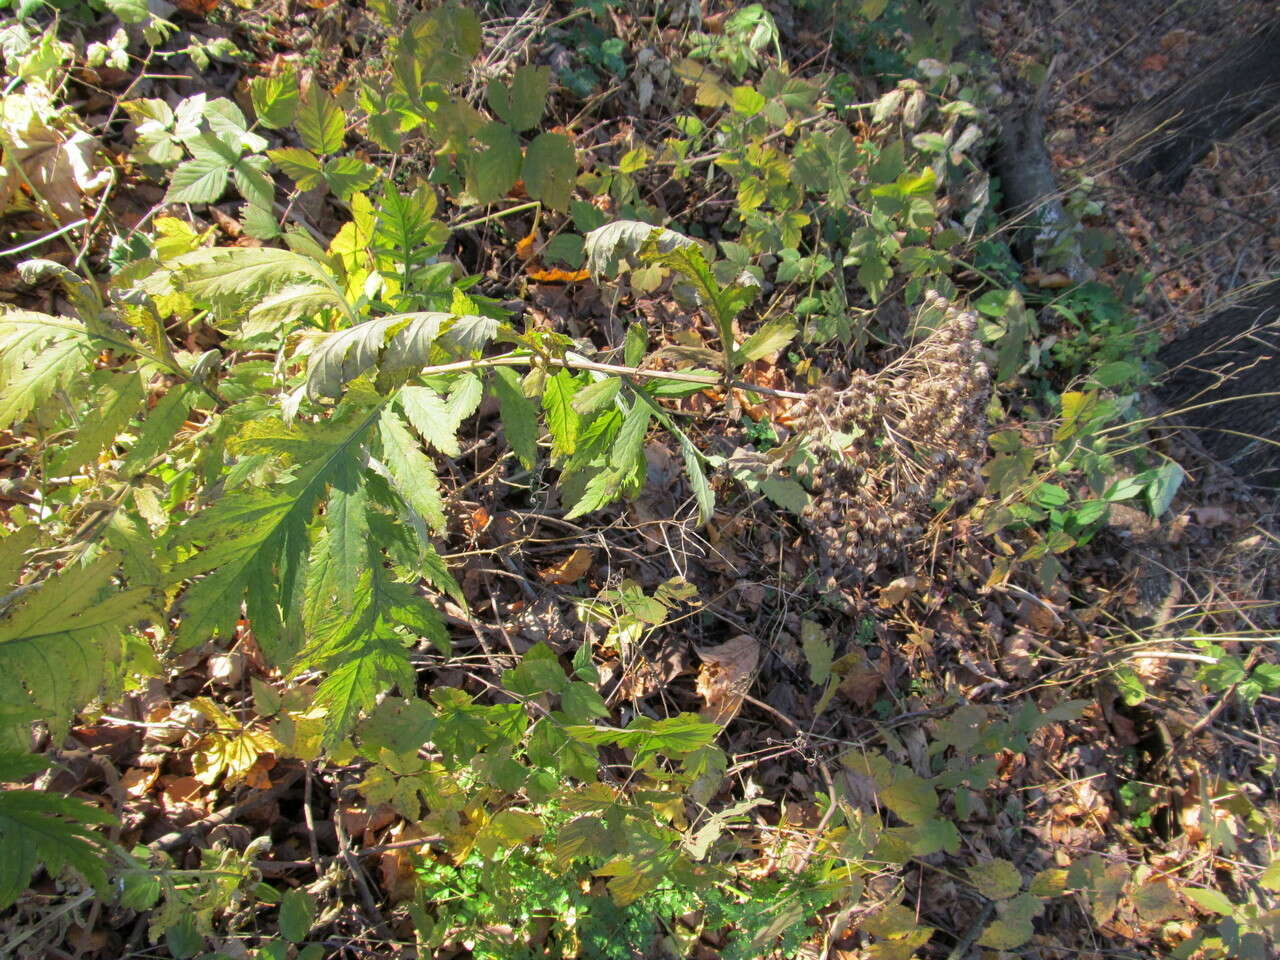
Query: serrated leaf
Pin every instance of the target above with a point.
(1007, 933)
(396, 342)
(230, 279)
(38, 354)
(348, 175)
(60, 644)
(620, 242)
(996, 879)
(114, 406)
(596, 396)
(563, 420)
(519, 420)
(41, 827)
(275, 99)
(520, 103)
(430, 416)
(493, 171)
(320, 121)
(301, 166)
(200, 180)
(254, 182)
(550, 167)
(702, 491)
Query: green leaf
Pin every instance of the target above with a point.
(519, 420)
(635, 345)
(275, 99)
(1007, 933)
(114, 406)
(348, 175)
(38, 355)
(563, 420)
(41, 827)
(320, 121)
(817, 650)
(396, 343)
(61, 643)
(996, 879)
(200, 180)
(231, 279)
(596, 396)
(1215, 901)
(254, 181)
(620, 242)
(492, 172)
(769, 339)
(550, 167)
(297, 914)
(506, 831)
(431, 417)
(259, 537)
(301, 166)
(1164, 485)
(129, 11)
(520, 103)
(702, 491)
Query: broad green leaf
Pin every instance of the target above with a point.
(520, 103)
(996, 879)
(519, 420)
(493, 171)
(550, 167)
(297, 914)
(506, 831)
(769, 339)
(301, 166)
(635, 345)
(200, 180)
(254, 181)
(320, 121)
(1215, 901)
(275, 99)
(348, 175)
(231, 279)
(38, 354)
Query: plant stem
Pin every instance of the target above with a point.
(572, 361)
(497, 215)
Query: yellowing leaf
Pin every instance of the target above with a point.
(571, 569)
(996, 879)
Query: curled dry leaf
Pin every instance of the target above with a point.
(897, 591)
(572, 568)
(725, 676)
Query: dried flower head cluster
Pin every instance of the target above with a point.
(889, 445)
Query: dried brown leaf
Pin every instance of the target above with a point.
(725, 676)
